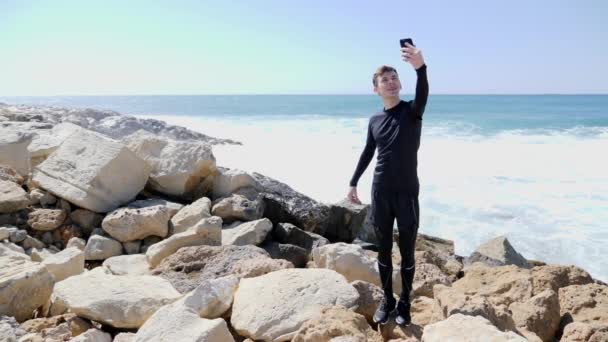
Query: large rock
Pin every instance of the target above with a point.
(12, 197)
(178, 167)
(207, 231)
(248, 233)
(190, 215)
(461, 327)
(347, 221)
(539, 315)
(426, 276)
(136, 264)
(46, 219)
(227, 181)
(448, 302)
(349, 260)
(501, 284)
(172, 207)
(100, 248)
(582, 332)
(7, 173)
(47, 141)
(56, 328)
(584, 303)
(302, 294)
(24, 286)
(284, 204)
(298, 256)
(555, 277)
(498, 252)
(93, 172)
(370, 296)
(189, 266)
(129, 224)
(119, 301)
(13, 150)
(337, 322)
(93, 335)
(190, 318)
(10, 331)
(67, 263)
(289, 233)
(237, 207)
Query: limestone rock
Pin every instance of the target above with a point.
(189, 266)
(136, 264)
(178, 167)
(93, 172)
(119, 301)
(585, 303)
(205, 232)
(498, 252)
(459, 327)
(46, 219)
(248, 233)
(129, 224)
(539, 315)
(238, 208)
(227, 182)
(7, 173)
(100, 248)
(24, 286)
(76, 242)
(12, 197)
(65, 264)
(13, 150)
(348, 260)
(303, 293)
(190, 215)
(337, 322)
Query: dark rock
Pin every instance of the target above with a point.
(287, 233)
(292, 253)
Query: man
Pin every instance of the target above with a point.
(395, 132)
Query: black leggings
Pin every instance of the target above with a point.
(385, 207)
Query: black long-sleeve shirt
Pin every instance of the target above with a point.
(396, 133)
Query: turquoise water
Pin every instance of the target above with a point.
(533, 168)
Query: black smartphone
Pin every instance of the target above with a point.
(406, 40)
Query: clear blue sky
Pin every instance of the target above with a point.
(299, 47)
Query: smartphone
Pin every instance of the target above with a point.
(406, 40)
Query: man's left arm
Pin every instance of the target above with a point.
(413, 55)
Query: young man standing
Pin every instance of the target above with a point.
(395, 132)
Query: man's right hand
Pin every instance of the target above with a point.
(352, 195)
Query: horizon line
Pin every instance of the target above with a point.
(304, 94)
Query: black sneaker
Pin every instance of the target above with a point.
(384, 311)
(403, 314)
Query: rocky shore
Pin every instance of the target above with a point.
(114, 228)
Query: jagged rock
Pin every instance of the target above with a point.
(284, 204)
(347, 221)
(459, 327)
(557, 276)
(172, 207)
(584, 303)
(498, 252)
(46, 219)
(206, 232)
(8, 173)
(100, 248)
(120, 301)
(348, 260)
(370, 296)
(302, 294)
(187, 267)
(248, 233)
(12, 197)
(65, 264)
(129, 224)
(93, 172)
(539, 315)
(190, 215)
(136, 264)
(238, 208)
(227, 181)
(10, 331)
(298, 256)
(337, 322)
(583, 332)
(288, 233)
(13, 150)
(76, 242)
(93, 335)
(178, 167)
(24, 286)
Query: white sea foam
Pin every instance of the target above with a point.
(546, 190)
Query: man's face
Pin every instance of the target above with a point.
(388, 84)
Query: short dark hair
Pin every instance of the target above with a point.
(381, 70)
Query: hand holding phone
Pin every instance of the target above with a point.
(410, 53)
(406, 40)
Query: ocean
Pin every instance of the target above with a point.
(531, 167)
